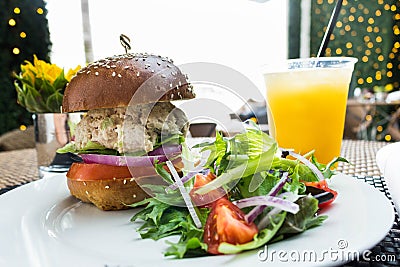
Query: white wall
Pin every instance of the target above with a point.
(240, 34)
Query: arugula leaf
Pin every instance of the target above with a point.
(162, 220)
(327, 169)
(260, 239)
(304, 219)
(190, 244)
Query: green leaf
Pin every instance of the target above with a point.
(54, 102)
(261, 163)
(68, 148)
(263, 237)
(90, 148)
(60, 82)
(304, 219)
(163, 172)
(193, 247)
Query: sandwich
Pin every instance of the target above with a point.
(130, 124)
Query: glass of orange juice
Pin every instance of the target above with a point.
(306, 104)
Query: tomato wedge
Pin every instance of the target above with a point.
(226, 223)
(207, 199)
(323, 185)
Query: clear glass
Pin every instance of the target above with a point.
(52, 131)
(306, 103)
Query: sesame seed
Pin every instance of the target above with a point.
(95, 67)
(138, 74)
(113, 74)
(126, 67)
(180, 83)
(87, 193)
(107, 66)
(172, 96)
(163, 76)
(84, 183)
(96, 73)
(152, 71)
(158, 63)
(170, 85)
(132, 179)
(107, 187)
(114, 178)
(124, 181)
(88, 72)
(119, 75)
(134, 195)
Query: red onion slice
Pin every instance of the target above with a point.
(252, 215)
(277, 202)
(264, 222)
(185, 194)
(143, 161)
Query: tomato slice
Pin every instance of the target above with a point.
(94, 171)
(226, 223)
(207, 199)
(324, 186)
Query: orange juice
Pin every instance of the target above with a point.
(307, 106)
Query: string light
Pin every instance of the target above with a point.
(39, 11)
(22, 127)
(17, 10)
(16, 51)
(12, 22)
(22, 35)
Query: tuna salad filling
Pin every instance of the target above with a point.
(135, 130)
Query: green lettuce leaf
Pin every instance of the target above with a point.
(90, 148)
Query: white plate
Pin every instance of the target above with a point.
(42, 225)
(388, 158)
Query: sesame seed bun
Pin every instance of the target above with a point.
(111, 194)
(113, 81)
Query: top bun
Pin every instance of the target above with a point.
(112, 82)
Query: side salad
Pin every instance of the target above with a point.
(247, 192)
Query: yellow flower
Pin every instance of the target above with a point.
(40, 85)
(71, 73)
(46, 71)
(388, 87)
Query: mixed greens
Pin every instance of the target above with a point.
(246, 193)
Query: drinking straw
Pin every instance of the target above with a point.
(329, 30)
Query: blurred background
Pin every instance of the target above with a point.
(240, 34)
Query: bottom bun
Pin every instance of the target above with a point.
(112, 194)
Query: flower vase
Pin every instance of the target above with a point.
(52, 131)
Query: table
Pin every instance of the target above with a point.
(19, 167)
